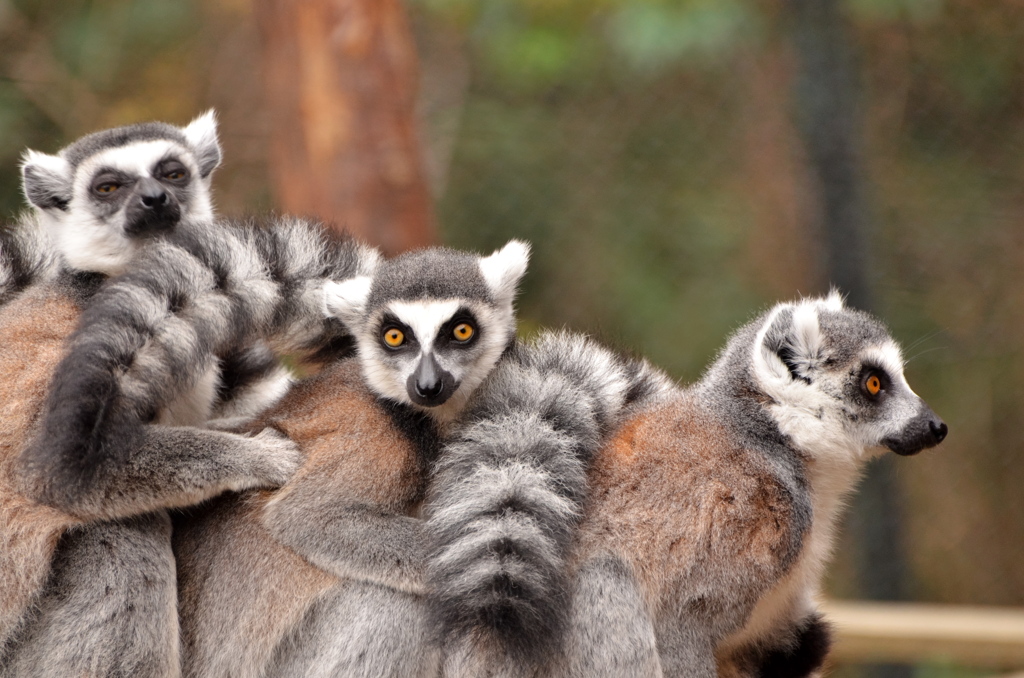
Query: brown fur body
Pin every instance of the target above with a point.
(245, 595)
(701, 524)
(33, 328)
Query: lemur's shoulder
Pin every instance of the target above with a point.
(350, 436)
(33, 328)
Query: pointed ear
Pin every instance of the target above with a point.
(201, 133)
(346, 300)
(46, 180)
(504, 269)
(791, 345)
(834, 301)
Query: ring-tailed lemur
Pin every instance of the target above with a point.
(275, 594)
(109, 605)
(429, 325)
(712, 515)
(82, 200)
(452, 316)
(100, 202)
(565, 387)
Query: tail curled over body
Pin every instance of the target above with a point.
(151, 340)
(26, 257)
(508, 490)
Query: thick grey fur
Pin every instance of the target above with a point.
(432, 273)
(507, 492)
(26, 257)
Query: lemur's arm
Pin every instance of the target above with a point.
(348, 510)
(365, 542)
(167, 467)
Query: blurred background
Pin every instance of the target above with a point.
(677, 164)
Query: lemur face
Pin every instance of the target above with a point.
(836, 378)
(430, 325)
(104, 195)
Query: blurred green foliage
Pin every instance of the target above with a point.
(647, 149)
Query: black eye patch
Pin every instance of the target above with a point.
(390, 321)
(109, 184)
(874, 382)
(446, 335)
(171, 170)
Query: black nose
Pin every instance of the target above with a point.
(429, 389)
(939, 429)
(152, 195)
(430, 385)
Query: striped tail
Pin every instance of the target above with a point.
(152, 336)
(507, 493)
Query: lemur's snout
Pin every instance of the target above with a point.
(153, 210)
(429, 385)
(152, 195)
(923, 431)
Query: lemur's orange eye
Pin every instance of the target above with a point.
(463, 332)
(108, 187)
(174, 175)
(873, 384)
(394, 337)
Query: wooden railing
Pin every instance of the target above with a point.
(990, 637)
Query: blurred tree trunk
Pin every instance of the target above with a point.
(340, 79)
(828, 109)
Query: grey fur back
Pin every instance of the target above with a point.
(507, 492)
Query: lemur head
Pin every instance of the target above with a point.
(103, 195)
(835, 379)
(430, 325)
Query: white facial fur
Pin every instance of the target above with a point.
(388, 374)
(91, 240)
(816, 413)
(94, 242)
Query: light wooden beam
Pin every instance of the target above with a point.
(911, 633)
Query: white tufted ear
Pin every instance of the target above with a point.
(806, 344)
(834, 301)
(505, 268)
(201, 133)
(346, 300)
(46, 180)
(790, 346)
